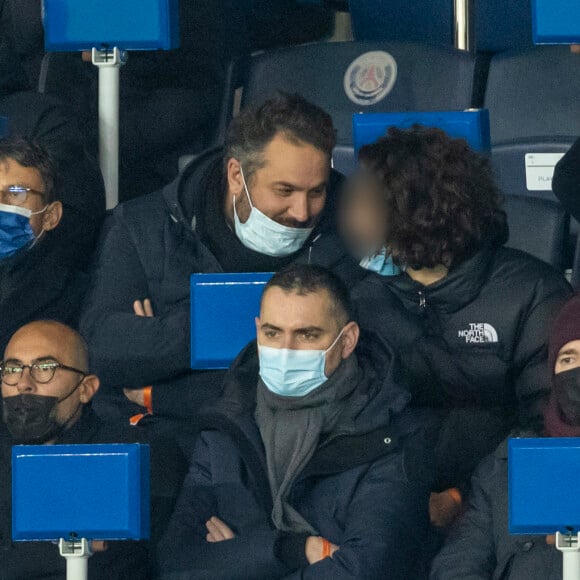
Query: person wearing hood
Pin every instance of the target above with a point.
(469, 318)
(480, 545)
(34, 282)
(303, 468)
(46, 120)
(263, 203)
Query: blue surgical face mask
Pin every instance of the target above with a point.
(380, 263)
(266, 236)
(293, 373)
(15, 230)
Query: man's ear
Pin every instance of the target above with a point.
(349, 338)
(235, 180)
(88, 388)
(52, 216)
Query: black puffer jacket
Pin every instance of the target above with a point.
(473, 345)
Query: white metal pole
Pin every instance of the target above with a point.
(462, 11)
(109, 63)
(570, 547)
(77, 554)
(77, 568)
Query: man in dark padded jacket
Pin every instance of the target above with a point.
(480, 546)
(265, 202)
(304, 468)
(469, 318)
(47, 121)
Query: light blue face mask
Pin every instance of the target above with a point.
(15, 230)
(266, 236)
(293, 373)
(381, 264)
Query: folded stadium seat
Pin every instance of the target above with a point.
(538, 227)
(351, 77)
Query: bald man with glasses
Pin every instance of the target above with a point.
(46, 394)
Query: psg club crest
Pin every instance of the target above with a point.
(370, 77)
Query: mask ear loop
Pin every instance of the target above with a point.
(335, 341)
(42, 231)
(245, 188)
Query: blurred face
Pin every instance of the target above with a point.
(305, 322)
(290, 188)
(12, 173)
(363, 217)
(45, 343)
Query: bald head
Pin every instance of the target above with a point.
(48, 338)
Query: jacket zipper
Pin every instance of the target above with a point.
(422, 299)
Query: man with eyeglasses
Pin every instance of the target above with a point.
(47, 389)
(34, 281)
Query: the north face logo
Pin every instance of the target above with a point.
(479, 332)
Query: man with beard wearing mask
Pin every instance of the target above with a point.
(47, 390)
(303, 469)
(263, 203)
(480, 546)
(34, 281)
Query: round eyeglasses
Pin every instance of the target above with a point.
(41, 372)
(17, 194)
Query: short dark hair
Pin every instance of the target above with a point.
(30, 153)
(442, 201)
(292, 115)
(306, 279)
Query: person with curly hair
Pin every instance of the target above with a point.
(469, 317)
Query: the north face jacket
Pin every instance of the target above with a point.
(149, 248)
(480, 547)
(367, 492)
(473, 346)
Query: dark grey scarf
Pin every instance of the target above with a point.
(291, 429)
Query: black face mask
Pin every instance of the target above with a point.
(567, 386)
(31, 419)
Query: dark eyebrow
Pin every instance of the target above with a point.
(269, 326)
(41, 359)
(567, 351)
(296, 187)
(309, 329)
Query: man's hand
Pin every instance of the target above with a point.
(314, 549)
(218, 531)
(143, 308)
(135, 396)
(443, 508)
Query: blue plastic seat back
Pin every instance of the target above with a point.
(542, 479)
(223, 312)
(71, 25)
(3, 126)
(556, 21)
(93, 491)
(501, 25)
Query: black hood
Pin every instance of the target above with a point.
(12, 75)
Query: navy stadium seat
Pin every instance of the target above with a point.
(532, 97)
(409, 77)
(502, 25)
(538, 227)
